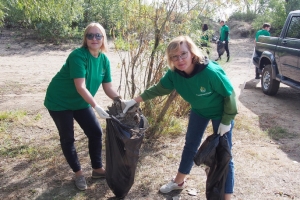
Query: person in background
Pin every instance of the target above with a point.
(224, 37)
(264, 31)
(70, 95)
(206, 87)
(204, 37)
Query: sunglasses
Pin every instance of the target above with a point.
(90, 36)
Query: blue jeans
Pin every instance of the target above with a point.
(86, 118)
(196, 128)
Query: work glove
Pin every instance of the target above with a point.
(128, 104)
(101, 112)
(223, 129)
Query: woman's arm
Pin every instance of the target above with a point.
(81, 89)
(109, 90)
(87, 96)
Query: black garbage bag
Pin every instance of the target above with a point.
(124, 136)
(217, 157)
(220, 48)
(206, 153)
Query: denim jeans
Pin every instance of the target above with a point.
(196, 128)
(86, 118)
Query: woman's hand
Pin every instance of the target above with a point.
(101, 112)
(223, 129)
(128, 104)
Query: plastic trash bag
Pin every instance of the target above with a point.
(215, 153)
(220, 48)
(124, 136)
(207, 151)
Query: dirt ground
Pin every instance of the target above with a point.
(266, 147)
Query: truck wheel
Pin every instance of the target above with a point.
(269, 85)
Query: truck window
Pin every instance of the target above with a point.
(293, 31)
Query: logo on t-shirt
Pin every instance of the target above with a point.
(203, 92)
(202, 89)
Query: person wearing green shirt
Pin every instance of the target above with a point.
(265, 32)
(204, 37)
(203, 84)
(224, 37)
(70, 95)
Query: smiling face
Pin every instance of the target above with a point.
(182, 58)
(93, 44)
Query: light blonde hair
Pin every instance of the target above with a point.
(104, 46)
(174, 45)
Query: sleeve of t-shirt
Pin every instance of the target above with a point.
(154, 91)
(167, 80)
(107, 75)
(230, 109)
(164, 87)
(77, 64)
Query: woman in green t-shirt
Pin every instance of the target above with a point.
(206, 87)
(70, 95)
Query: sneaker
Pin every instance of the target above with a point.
(80, 183)
(218, 59)
(97, 175)
(171, 186)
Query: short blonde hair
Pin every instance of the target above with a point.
(104, 46)
(174, 45)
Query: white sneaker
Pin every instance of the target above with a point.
(171, 186)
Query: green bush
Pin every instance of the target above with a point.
(240, 16)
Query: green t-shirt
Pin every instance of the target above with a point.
(224, 33)
(62, 94)
(205, 91)
(205, 36)
(261, 32)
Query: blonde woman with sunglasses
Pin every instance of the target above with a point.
(70, 95)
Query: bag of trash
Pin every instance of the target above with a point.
(220, 48)
(124, 136)
(214, 153)
(207, 151)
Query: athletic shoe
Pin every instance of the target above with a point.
(97, 175)
(80, 183)
(171, 186)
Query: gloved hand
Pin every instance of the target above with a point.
(223, 129)
(101, 112)
(128, 104)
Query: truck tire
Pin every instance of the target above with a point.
(269, 85)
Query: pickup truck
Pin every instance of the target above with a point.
(277, 58)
